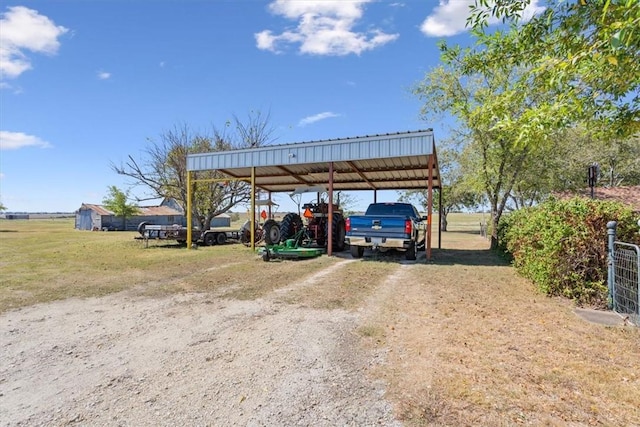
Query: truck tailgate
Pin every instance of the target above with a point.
(379, 226)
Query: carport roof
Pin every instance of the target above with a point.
(393, 161)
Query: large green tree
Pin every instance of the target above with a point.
(117, 201)
(492, 160)
(583, 52)
(456, 194)
(162, 170)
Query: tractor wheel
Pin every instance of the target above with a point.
(357, 251)
(221, 238)
(412, 252)
(209, 239)
(337, 232)
(271, 232)
(290, 225)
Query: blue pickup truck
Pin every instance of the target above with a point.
(386, 226)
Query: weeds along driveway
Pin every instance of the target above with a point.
(472, 343)
(461, 340)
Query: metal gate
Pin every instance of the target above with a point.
(625, 293)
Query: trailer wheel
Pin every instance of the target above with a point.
(271, 232)
(209, 239)
(357, 251)
(141, 227)
(291, 224)
(221, 238)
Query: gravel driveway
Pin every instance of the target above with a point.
(188, 359)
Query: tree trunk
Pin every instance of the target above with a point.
(443, 222)
(495, 218)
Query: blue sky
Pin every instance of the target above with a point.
(84, 84)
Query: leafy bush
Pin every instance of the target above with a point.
(562, 245)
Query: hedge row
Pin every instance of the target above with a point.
(562, 245)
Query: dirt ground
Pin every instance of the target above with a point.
(282, 359)
(189, 359)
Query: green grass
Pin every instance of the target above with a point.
(45, 260)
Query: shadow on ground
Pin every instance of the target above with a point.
(485, 257)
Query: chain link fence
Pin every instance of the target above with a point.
(626, 281)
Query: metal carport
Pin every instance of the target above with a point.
(394, 161)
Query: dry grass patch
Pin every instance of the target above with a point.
(471, 343)
(347, 287)
(46, 260)
(255, 280)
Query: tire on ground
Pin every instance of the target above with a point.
(221, 238)
(337, 232)
(290, 225)
(209, 239)
(357, 251)
(411, 253)
(271, 232)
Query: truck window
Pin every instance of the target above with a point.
(390, 209)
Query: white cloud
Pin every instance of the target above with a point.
(16, 140)
(325, 27)
(316, 118)
(103, 75)
(450, 17)
(25, 30)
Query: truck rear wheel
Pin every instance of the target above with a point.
(412, 252)
(357, 251)
(291, 224)
(271, 232)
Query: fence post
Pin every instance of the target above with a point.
(611, 233)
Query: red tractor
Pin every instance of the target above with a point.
(316, 227)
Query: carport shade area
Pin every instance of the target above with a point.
(394, 161)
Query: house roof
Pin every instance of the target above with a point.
(629, 195)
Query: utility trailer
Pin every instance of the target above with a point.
(213, 236)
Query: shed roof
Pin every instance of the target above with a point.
(142, 210)
(374, 162)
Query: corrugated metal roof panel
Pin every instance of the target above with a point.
(99, 209)
(390, 161)
(347, 149)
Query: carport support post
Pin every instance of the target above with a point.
(429, 207)
(330, 219)
(253, 208)
(440, 218)
(189, 234)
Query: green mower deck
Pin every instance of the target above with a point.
(284, 252)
